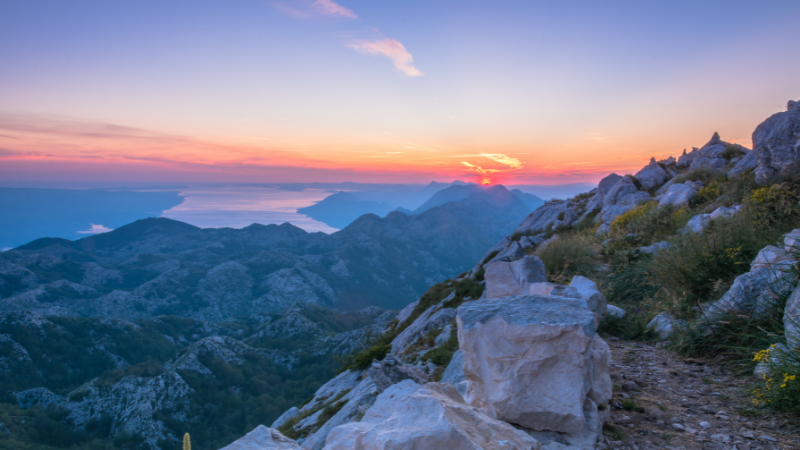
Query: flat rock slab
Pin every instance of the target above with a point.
(434, 416)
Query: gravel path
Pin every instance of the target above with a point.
(661, 402)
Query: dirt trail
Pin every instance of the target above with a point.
(685, 405)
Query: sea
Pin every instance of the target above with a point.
(240, 206)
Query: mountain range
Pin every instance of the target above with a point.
(160, 266)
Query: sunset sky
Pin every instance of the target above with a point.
(382, 90)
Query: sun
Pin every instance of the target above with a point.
(486, 181)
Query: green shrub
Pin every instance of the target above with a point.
(568, 255)
(442, 354)
(704, 174)
(701, 266)
(364, 358)
(732, 151)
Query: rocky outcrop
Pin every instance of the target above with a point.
(133, 404)
(36, 396)
(754, 292)
(700, 222)
(433, 416)
(513, 278)
(621, 198)
(263, 438)
(711, 156)
(776, 143)
(350, 394)
(434, 317)
(679, 194)
(537, 362)
(652, 176)
(745, 165)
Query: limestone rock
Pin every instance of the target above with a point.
(454, 373)
(548, 216)
(754, 291)
(654, 248)
(353, 395)
(285, 417)
(652, 176)
(678, 195)
(534, 361)
(607, 183)
(434, 416)
(553, 289)
(513, 278)
(665, 324)
(771, 257)
(595, 300)
(615, 311)
(791, 319)
(263, 438)
(724, 211)
(746, 164)
(405, 313)
(791, 241)
(433, 317)
(36, 396)
(710, 156)
(697, 223)
(621, 198)
(444, 336)
(776, 143)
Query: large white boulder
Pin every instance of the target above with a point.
(263, 438)
(434, 416)
(535, 361)
(513, 278)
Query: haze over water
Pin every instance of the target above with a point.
(240, 206)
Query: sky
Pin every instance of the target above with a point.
(382, 91)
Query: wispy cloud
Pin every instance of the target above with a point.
(421, 146)
(96, 229)
(331, 8)
(513, 164)
(597, 136)
(304, 9)
(389, 48)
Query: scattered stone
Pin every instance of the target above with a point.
(615, 311)
(665, 324)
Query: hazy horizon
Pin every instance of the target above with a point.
(316, 90)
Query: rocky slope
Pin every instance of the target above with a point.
(502, 358)
(160, 266)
